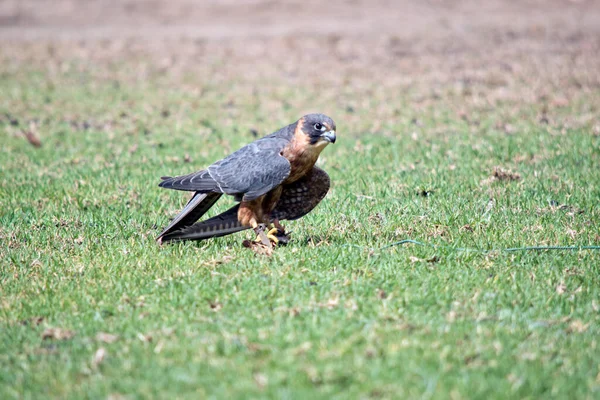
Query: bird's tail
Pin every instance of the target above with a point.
(198, 205)
(220, 225)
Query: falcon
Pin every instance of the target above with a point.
(272, 179)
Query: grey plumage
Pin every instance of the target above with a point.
(253, 170)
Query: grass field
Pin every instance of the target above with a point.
(457, 148)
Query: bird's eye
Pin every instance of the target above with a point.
(318, 126)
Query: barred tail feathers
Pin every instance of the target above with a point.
(220, 225)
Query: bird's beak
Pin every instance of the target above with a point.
(329, 136)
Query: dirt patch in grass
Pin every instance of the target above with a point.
(487, 52)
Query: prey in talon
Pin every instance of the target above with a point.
(272, 179)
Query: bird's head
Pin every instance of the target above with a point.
(319, 128)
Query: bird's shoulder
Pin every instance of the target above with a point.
(270, 144)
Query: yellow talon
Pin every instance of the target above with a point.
(267, 239)
(272, 237)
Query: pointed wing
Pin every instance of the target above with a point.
(252, 171)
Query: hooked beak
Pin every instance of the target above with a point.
(329, 136)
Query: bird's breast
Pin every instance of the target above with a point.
(301, 161)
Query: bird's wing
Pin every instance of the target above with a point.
(301, 197)
(198, 205)
(252, 171)
(200, 181)
(297, 199)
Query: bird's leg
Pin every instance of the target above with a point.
(278, 226)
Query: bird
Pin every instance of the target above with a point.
(272, 179)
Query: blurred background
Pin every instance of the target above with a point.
(334, 56)
(152, 19)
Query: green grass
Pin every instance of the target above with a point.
(329, 316)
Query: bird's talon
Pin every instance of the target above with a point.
(272, 237)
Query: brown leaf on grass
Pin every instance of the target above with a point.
(32, 138)
(571, 211)
(430, 260)
(106, 337)
(99, 357)
(433, 260)
(400, 232)
(560, 102)
(471, 359)
(351, 305)
(501, 174)
(145, 338)
(451, 316)
(261, 380)
(215, 305)
(377, 218)
(258, 248)
(577, 326)
(302, 348)
(57, 334)
(330, 304)
(437, 232)
(370, 352)
(381, 294)
(294, 312)
(214, 262)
